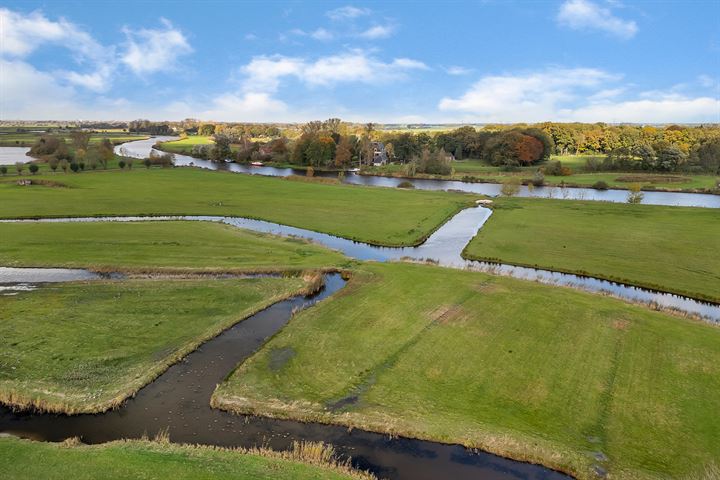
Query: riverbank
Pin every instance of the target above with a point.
(398, 351)
(158, 246)
(388, 217)
(60, 358)
(656, 247)
(27, 460)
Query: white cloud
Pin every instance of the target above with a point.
(662, 110)
(577, 94)
(347, 12)
(457, 70)
(155, 50)
(250, 37)
(377, 31)
(586, 15)
(250, 106)
(22, 34)
(264, 73)
(707, 81)
(530, 97)
(97, 81)
(322, 34)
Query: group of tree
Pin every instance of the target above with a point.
(334, 143)
(663, 156)
(151, 128)
(76, 156)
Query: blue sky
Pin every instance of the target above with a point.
(481, 61)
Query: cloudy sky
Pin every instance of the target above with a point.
(392, 61)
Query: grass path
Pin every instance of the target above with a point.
(674, 249)
(549, 375)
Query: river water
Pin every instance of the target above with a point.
(12, 155)
(179, 401)
(142, 148)
(444, 248)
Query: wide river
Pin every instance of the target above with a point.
(142, 149)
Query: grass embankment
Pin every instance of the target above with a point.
(28, 139)
(480, 171)
(543, 374)
(168, 245)
(673, 249)
(185, 145)
(375, 215)
(60, 349)
(26, 460)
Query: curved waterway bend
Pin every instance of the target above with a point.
(142, 149)
(444, 248)
(179, 401)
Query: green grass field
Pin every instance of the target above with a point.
(672, 249)
(173, 245)
(185, 145)
(550, 375)
(58, 350)
(131, 460)
(28, 139)
(375, 215)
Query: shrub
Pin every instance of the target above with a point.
(121, 164)
(556, 169)
(341, 176)
(600, 185)
(405, 184)
(53, 162)
(74, 167)
(635, 195)
(511, 187)
(33, 168)
(19, 166)
(310, 172)
(147, 162)
(593, 164)
(3, 170)
(538, 179)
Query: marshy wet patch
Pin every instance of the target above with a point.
(279, 357)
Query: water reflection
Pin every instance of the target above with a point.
(142, 148)
(13, 155)
(444, 248)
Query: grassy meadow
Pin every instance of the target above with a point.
(381, 216)
(169, 245)
(45, 361)
(27, 139)
(185, 145)
(551, 375)
(672, 249)
(26, 460)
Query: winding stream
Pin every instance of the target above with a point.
(179, 400)
(142, 148)
(444, 248)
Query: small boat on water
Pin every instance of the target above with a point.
(228, 160)
(354, 170)
(257, 164)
